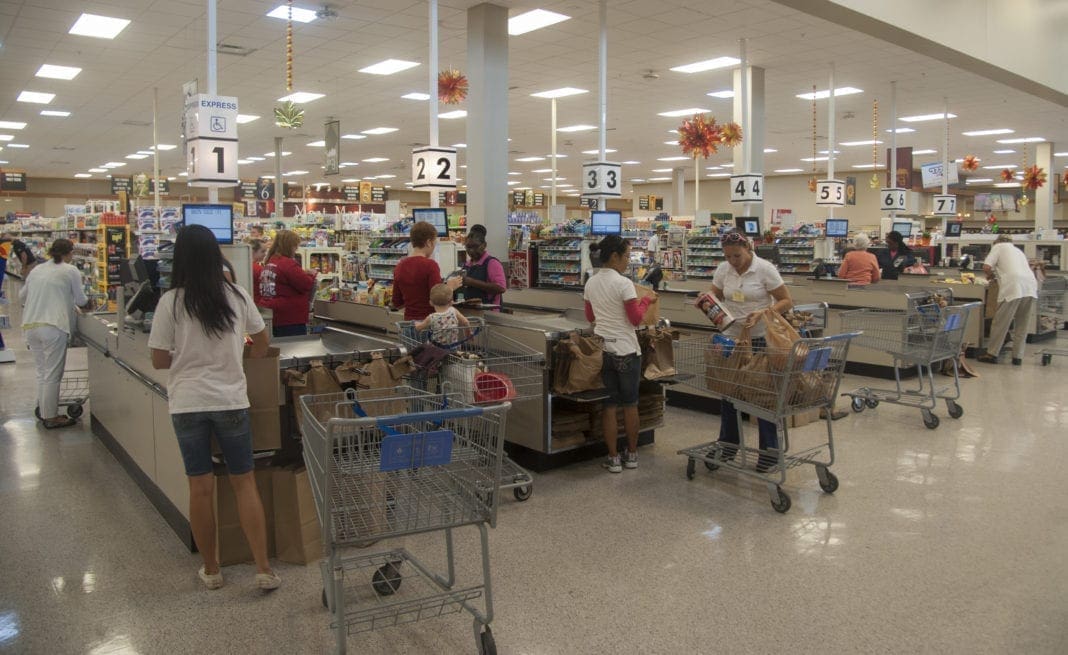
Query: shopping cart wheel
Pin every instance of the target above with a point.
(523, 493)
(325, 603)
(871, 403)
(782, 505)
(691, 468)
(75, 410)
(857, 404)
(1046, 359)
(37, 412)
(955, 410)
(930, 420)
(386, 580)
(828, 480)
(486, 644)
(710, 466)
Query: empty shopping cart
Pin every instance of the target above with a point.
(1053, 307)
(73, 392)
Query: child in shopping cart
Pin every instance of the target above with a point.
(445, 323)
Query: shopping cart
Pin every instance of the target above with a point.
(809, 320)
(388, 467)
(486, 367)
(73, 392)
(922, 335)
(1053, 303)
(772, 384)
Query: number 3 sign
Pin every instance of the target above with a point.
(602, 179)
(434, 168)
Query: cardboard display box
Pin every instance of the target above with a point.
(232, 546)
(297, 534)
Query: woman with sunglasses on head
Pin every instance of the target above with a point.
(747, 285)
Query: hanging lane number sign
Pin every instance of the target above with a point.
(211, 141)
(434, 168)
(602, 179)
(747, 188)
(830, 193)
(945, 205)
(893, 200)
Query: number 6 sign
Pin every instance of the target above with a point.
(602, 179)
(434, 168)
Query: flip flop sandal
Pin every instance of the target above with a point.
(66, 423)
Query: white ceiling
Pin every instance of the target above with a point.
(164, 46)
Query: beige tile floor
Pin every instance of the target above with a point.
(945, 541)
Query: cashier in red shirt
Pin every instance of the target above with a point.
(483, 273)
(417, 273)
(285, 287)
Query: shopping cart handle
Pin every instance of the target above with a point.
(435, 417)
(840, 337)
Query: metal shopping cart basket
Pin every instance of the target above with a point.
(1053, 303)
(73, 392)
(771, 384)
(920, 336)
(388, 467)
(486, 367)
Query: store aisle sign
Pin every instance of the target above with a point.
(643, 203)
(602, 179)
(893, 200)
(378, 194)
(945, 205)
(12, 181)
(164, 186)
(747, 188)
(434, 168)
(120, 185)
(211, 140)
(352, 193)
(830, 193)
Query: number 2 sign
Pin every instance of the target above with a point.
(434, 168)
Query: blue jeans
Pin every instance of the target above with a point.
(232, 431)
(728, 419)
(621, 375)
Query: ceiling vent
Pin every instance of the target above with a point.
(234, 50)
(66, 148)
(133, 123)
(326, 12)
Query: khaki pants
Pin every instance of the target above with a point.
(1018, 312)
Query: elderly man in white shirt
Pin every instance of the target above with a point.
(1017, 291)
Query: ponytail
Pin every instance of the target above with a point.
(60, 249)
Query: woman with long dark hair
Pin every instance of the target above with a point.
(199, 334)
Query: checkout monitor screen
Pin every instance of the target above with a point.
(953, 228)
(217, 218)
(436, 216)
(837, 227)
(748, 225)
(603, 222)
(903, 228)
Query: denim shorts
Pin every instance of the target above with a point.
(232, 431)
(621, 375)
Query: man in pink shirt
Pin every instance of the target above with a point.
(860, 266)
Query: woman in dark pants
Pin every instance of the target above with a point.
(896, 258)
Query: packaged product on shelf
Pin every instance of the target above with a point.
(169, 218)
(146, 219)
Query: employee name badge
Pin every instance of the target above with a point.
(738, 296)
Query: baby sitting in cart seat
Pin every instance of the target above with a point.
(444, 324)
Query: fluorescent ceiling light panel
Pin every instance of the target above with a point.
(576, 128)
(54, 72)
(6, 137)
(1007, 151)
(598, 152)
(726, 93)
(353, 136)
(459, 145)
(728, 165)
(979, 180)
(661, 170)
(1060, 154)
(679, 158)
(376, 160)
(100, 27)
(926, 117)
(525, 159)
(901, 130)
(258, 158)
(789, 170)
(389, 67)
(542, 170)
(631, 162)
(144, 152)
(244, 162)
(54, 112)
(11, 125)
(562, 92)
(868, 166)
(300, 15)
(827, 152)
(415, 95)
(98, 170)
(167, 146)
(246, 118)
(114, 164)
(558, 156)
(301, 96)
(82, 175)
(184, 174)
(295, 173)
(532, 20)
(456, 113)
(17, 145)
(994, 168)
(988, 132)
(675, 113)
(1029, 139)
(285, 153)
(389, 176)
(659, 179)
(925, 151)
(769, 150)
(349, 163)
(707, 65)
(826, 93)
(671, 143)
(720, 174)
(514, 173)
(813, 159)
(380, 130)
(636, 179)
(513, 182)
(136, 156)
(1007, 185)
(36, 97)
(869, 142)
(316, 144)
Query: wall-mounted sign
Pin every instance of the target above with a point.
(121, 185)
(643, 203)
(164, 186)
(658, 203)
(518, 198)
(264, 189)
(365, 192)
(12, 181)
(539, 200)
(247, 191)
(378, 194)
(352, 193)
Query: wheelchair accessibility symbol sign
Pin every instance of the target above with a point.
(218, 124)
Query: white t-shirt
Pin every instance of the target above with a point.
(653, 246)
(1015, 278)
(606, 292)
(747, 292)
(50, 294)
(206, 374)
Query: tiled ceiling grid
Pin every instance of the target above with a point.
(164, 47)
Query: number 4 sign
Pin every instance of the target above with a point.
(434, 168)
(747, 188)
(602, 179)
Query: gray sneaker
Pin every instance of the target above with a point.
(631, 460)
(613, 464)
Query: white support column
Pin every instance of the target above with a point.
(749, 114)
(831, 140)
(603, 101)
(213, 191)
(552, 138)
(678, 192)
(433, 87)
(1044, 194)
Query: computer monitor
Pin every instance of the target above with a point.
(436, 216)
(837, 227)
(904, 228)
(217, 218)
(748, 225)
(953, 228)
(605, 222)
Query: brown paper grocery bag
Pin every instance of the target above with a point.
(652, 312)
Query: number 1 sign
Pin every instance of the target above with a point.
(434, 168)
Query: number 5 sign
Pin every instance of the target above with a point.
(747, 188)
(602, 179)
(830, 193)
(434, 168)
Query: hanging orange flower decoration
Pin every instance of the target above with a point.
(1034, 178)
(700, 136)
(812, 185)
(730, 134)
(970, 163)
(452, 86)
(1065, 179)
(1007, 175)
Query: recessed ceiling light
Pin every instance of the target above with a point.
(925, 151)
(316, 144)
(988, 132)
(1000, 166)
(100, 27)
(257, 158)
(136, 156)
(389, 176)
(1060, 154)
(17, 145)
(707, 65)
(299, 15)
(679, 158)
(675, 113)
(926, 117)
(1029, 139)
(542, 170)
(349, 163)
(576, 128)
(11, 125)
(768, 151)
(246, 118)
(827, 152)
(6, 137)
(661, 170)
(598, 152)
(514, 173)
(726, 93)
(172, 178)
(821, 95)
(1007, 151)
(184, 174)
(165, 146)
(54, 112)
(513, 182)
(36, 97)
(350, 180)
(631, 162)
(868, 166)
(456, 113)
(389, 67)
(558, 156)
(1007, 185)
(459, 145)
(415, 95)
(979, 180)
(671, 143)
(869, 142)
(376, 160)
(380, 130)
(295, 173)
(285, 153)
(533, 20)
(244, 162)
(144, 152)
(98, 170)
(636, 179)
(789, 170)
(659, 179)
(719, 174)
(353, 136)
(813, 159)
(82, 175)
(901, 130)
(562, 92)
(54, 72)
(113, 164)
(525, 159)
(301, 96)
